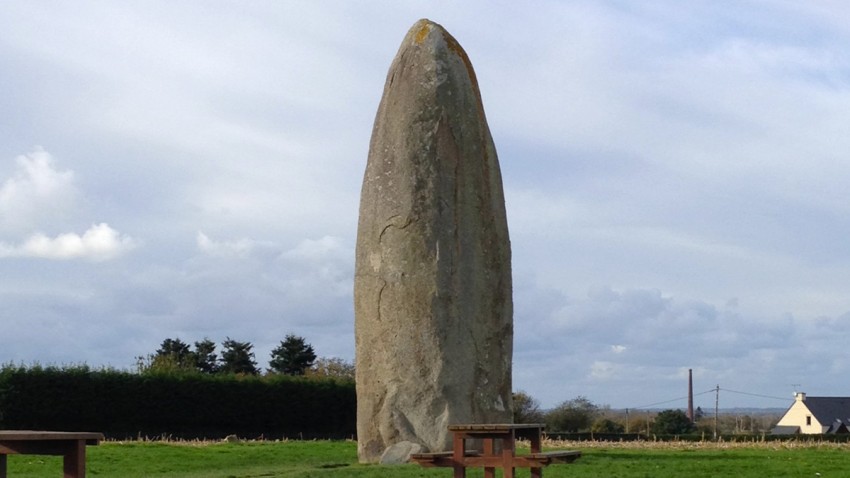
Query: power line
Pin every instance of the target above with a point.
(661, 403)
(712, 390)
(754, 394)
(674, 400)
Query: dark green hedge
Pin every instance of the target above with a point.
(123, 404)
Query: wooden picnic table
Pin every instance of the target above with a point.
(498, 450)
(70, 445)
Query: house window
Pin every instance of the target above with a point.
(808, 420)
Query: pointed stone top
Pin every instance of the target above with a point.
(437, 40)
(422, 29)
(432, 54)
(430, 35)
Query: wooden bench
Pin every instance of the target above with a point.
(430, 459)
(532, 460)
(70, 445)
(440, 458)
(549, 457)
(498, 442)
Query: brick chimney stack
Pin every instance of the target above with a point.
(691, 395)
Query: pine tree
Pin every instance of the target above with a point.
(206, 360)
(237, 357)
(293, 356)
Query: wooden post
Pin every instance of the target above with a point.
(508, 450)
(459, 448)
(74, 460)
(537, 447)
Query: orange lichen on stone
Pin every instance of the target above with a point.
(423, 32)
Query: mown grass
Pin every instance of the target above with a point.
(338, 459)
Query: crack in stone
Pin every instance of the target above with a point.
(394, 223)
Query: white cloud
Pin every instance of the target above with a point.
(239, 247)
(99, 243)
(603, 370)
(37, 190)
(324, 266)
(318, 249)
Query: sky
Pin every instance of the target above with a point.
(675, 173)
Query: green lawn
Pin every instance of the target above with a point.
(338, 459)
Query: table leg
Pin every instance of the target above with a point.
(2, 466)
(74, 460)
(489, 471)
(508, 453)
(536, 441)
(458, 451)
(536, 448)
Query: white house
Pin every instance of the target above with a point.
(815, 415)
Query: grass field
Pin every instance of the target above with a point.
(338, 459)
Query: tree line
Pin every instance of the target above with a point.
(580, 415)
(293, 356)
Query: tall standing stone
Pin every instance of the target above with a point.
(432, 287)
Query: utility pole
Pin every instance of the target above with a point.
(716, 408)
(627, 420)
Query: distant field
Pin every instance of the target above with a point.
(338, 459)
